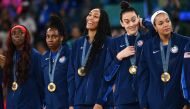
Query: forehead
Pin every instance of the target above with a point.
(129, 15)
(161, 17)
(52, 30)
(95, 11)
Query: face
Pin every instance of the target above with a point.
(18, 37)
(162, 24)
(92, 19)
(53, 39)
(130, 21)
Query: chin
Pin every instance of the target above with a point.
(132, 33)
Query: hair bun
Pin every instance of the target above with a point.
(124, 5)
(54, 20)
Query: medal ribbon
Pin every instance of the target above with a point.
(14, 66)
(85, 56)
(52, 70)
(132, 58)
(165, 57)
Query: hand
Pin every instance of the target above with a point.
(128, 51)
(2, 61)
(97, 106)
(71, 107)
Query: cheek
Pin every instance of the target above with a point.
(96, 25)
(136, 23)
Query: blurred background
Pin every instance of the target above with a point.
(34, 14)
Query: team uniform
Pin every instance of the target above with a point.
(185, 81)
(55, 66)
(28, 95)
(159, 88)
(84, 91)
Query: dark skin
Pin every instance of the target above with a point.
(53, 39)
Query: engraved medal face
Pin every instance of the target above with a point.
(81, 71)
(133, 70)
(14, 86)
(165, 77)
(51, 87)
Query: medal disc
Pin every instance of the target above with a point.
(165, 77)
(14, 86)
(133, 70)
(81, 71)
(51, 87)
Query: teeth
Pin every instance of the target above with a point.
(89, 22)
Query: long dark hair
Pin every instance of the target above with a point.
(23, 62)
(125, 7)
(103, 30)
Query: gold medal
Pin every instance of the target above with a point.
(81, 71)
(165, 77)
(51, 87)
(133, 70)
(14, 86)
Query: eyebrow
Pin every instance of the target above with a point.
(130, 18)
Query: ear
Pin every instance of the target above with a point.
(122, 24)
(138, 17)
(62, 38)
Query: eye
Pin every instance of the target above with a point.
(96, 16)
(167, 20)
(54, 36)
(160, 23)
(126, 21)
(133, 19)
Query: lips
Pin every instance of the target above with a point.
(90, 23)
(167, 29)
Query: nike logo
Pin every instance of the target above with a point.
(47, 59)
(122, 45)
(156, 51)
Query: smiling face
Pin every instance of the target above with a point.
(92, 19)
(163, 25)
(130, 21)
(18, 37)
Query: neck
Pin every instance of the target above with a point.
(91, 35)
(54, 49)
(165, 39)
(135, 34)
(19, 48)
